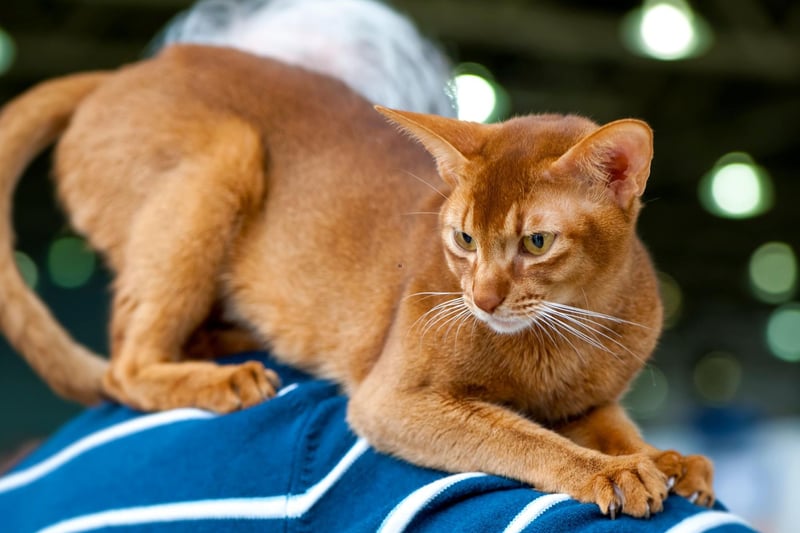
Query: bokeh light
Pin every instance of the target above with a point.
(70, 263)
(717, 377)
(478, 97)
(783, 332)
(27, 267)
(671, 298)
(666, 30)
(736, 187)
(773, 272)
(8, 51)
(648, 394)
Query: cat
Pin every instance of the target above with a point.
(478, 291)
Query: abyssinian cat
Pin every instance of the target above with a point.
(481, 294)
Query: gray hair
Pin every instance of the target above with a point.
(364, 43)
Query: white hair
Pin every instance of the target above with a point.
(364, 43)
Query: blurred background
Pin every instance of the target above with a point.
(719, 82)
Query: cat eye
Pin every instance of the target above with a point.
(538, 243)
(465, 241)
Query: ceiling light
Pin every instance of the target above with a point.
(666, 30)
(736, 187)
(478, 97)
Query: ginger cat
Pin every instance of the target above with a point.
(484, 308)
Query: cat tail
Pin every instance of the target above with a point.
(28, 124)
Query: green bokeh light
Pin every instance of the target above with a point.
(70, 263)
(717, 377)
(27, 267)
(773, 272)
(783, 332)
(8, 51)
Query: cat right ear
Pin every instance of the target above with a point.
(448, 140)
(617, 156)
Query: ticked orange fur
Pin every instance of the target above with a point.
(484, 308)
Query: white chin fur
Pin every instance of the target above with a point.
(507, 326)
(501, 325)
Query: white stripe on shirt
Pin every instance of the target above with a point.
(534, 510)
(104, 436)
(706, 520)
(264, 508)
(405, 511)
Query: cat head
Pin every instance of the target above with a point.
(541, 209)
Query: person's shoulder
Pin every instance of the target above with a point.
(292, 459)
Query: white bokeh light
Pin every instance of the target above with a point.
(476, 97)
(736, 189)
(667, 31)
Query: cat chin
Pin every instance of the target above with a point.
(506, 326)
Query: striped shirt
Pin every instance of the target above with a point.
(289, 464)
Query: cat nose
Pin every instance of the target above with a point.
(488, 301)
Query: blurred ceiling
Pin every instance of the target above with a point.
(566, 56)
(743, 95)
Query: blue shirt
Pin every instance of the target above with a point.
(290, 464)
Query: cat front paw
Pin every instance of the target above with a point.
(628, 484)
(690, 476)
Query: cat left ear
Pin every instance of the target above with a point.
(448, 140)
(617, 155)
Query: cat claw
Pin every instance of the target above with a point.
(693, 497)
(613, 507)
(612, 511)
(670, 482)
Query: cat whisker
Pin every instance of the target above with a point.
(587, 330)
(442, 313)
(583, 318)
(452, 317)
(537, 328)
(593, 314)
(464, 321)
(457, 319)
(443, 195)
(564, 323)
(553, 325)
(435, 310)
(428, 294)
(421, 213)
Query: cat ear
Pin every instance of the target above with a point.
(448, 140)
(617, 155)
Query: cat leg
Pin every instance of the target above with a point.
(218, 336)
(170, 279)
(432, 427)
(609, 429)
(210, 342)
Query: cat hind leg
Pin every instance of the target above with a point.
(170, 279)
